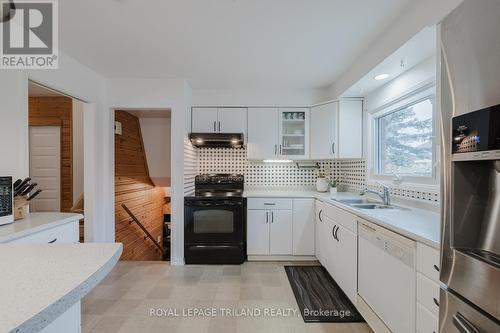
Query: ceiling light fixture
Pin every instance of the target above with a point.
(277, 161)
(381, 76)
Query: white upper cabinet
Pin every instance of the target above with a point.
(219, 120)
(232, 120)
(262, 133)
(350, 129)
(204, 120)
(323, 131)
(278, 133)
(294, 133)
(337, 130)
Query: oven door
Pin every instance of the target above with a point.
(208, 221)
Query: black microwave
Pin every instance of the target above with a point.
(477, 131)
(6, 200)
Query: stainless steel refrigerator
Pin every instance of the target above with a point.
(470, 189)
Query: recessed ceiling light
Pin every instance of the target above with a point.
(381, 76)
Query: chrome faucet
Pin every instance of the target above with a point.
(384, 194)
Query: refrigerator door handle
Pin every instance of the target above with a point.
(463, 325)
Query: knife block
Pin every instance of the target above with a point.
(21, 208)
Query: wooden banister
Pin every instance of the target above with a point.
(148, 235)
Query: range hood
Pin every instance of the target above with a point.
(217, 140)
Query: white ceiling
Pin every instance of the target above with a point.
(218, 44)
(421, 47)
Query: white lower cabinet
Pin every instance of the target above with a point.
(257, 232)
(280, 226)
(303, 227)
(340, 257)
(269, 231)
(318, 230)
(280, 232)
(67, 233)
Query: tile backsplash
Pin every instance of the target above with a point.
(350, 173)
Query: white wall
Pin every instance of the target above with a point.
(74, 79)
(269, 97)
(157, 140)
(418, 15)
(78, 161)
(171, 94)
(408, 81)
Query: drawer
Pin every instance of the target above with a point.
(341, 216)
(426, 321)
(428, 261)
(269, 203)
(427, 291)
(66, 233)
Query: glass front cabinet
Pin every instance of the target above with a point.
(293, 133)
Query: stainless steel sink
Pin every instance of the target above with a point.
(354, 201)
(376, 206)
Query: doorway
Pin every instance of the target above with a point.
(56, 151)
(142, 183)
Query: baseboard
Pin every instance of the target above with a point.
(177, 262)
(282, 258)
(371, 318)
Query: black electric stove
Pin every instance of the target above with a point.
(215, 221)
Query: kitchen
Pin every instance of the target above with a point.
(298, 204)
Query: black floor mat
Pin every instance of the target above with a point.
(319, 297)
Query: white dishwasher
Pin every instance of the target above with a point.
(386, 276)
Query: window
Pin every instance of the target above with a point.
(405, 139)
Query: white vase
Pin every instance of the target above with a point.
(322, 185)
(333, 191)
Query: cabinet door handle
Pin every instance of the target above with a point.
(267, 217)
(463, 325)
(215, 129)
(272, 217)
(53, 241)
(280, 150)
(333, 231)
(336, 234)
(269, 203)
(436, 268)
(319, 215)
(275, 149)
(333, 148)
(436, 301)
(219, 126)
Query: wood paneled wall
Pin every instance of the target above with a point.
(134, 188)
(57, 111)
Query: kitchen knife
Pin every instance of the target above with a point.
(28, 189)
(21, 189)
(17, 183)
(22, 185)
(32, 196)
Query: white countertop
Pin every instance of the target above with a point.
(35, 222)
(41, 282)
(418, 224)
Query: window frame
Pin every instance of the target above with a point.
(427, 91)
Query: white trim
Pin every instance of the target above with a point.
(418, 183)
(281, 258)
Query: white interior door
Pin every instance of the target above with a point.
(45, 167)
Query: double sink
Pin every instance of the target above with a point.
(367, 204)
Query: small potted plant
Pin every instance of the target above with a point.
(322, 183)
(333, 186)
